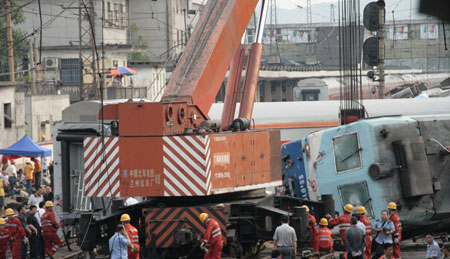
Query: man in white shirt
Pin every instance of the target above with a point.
(12, 173)
(285, 239)
(40, 212)
(36, 198)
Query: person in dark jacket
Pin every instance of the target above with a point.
(355, 240)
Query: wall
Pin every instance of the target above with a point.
(7, 135)
(162, 24)
(151, 77)
(45, 111)
(61, 22)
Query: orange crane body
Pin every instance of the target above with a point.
(165, 149)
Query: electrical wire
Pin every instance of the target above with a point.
(439, 143)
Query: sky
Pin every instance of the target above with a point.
(289, 12)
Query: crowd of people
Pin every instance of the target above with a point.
(30, 227)
(355, 231)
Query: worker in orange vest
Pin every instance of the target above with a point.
(5, 237)
(17, 232)
(314, 242)
(397, 236)
(343, 221)
(37, 172)
(212, 243)
(325, 236)
(361, 212)
(50, 227)
(133, 234)
(28, 170)
(2, 196)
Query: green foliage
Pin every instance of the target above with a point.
(20, 43)
(140, 43)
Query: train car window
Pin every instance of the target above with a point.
(357, 194)
(347, 152)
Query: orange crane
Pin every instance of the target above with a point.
(171, 143)
(186, 164)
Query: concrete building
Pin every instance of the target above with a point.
(33, 115)
(164, 25)
(63, 59)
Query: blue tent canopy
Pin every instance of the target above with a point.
(26, 147)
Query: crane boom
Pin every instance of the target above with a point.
(207, 56)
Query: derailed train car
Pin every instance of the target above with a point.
(375, 161)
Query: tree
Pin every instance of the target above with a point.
(19, 38)
(140, 43)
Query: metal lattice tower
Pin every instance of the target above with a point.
(332, 13)
(311, 58)
(308, 13)
(274, 53)
(88, 78)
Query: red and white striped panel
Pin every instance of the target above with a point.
(187, 166)
(101, 167)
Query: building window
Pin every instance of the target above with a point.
(70, 71)
(347, 152)
(110, 13)
(7, 115)
(115, 63)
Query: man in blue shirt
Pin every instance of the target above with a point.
(433, 250)
(119, 242)
(384, 228)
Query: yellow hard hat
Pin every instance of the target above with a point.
(48, 204)
(323, 222)
(125, 217)
(392, 206)
(203, 217)
(360, 210)
(2, 221)
(42, 136)
(9, 212)
(306, 207)
(348, 208)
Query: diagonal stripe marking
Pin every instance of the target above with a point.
(178, 184)
(183, 166)
(170, 187)
(190, 150)
(183, 155)
(184, 178)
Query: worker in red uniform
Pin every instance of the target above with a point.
(361, 212)
(314, 242)
(5, 237)
(212, 243)
(397, 236)
(325, 236)
(50, 227)
(133, 251)
(343, 221)
(17, 232)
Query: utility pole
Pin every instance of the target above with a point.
(381, 5)
(12, 76)
(32, 66)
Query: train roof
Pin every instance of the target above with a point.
(291, 114)
(278, 114)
